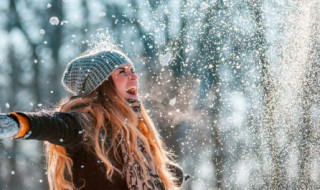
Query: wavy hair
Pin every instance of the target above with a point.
(113, 120)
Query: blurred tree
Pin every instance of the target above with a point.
(276, 178)
(55, 40)
(309, 143)
(210, 54)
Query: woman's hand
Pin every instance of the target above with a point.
(8, 126)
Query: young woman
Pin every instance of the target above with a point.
(102, 137)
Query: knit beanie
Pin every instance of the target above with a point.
(86, 73)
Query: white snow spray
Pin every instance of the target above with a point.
(288, 129)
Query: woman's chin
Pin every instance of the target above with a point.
(131, 96)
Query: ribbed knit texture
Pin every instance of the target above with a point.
(86, 73)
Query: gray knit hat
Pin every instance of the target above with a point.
(86, 73)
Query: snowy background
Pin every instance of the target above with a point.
(232, 85)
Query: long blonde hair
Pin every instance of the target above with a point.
(111, 116)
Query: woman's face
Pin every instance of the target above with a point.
(126, 82)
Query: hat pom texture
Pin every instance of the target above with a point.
(86, 73)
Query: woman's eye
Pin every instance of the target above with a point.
(121, 71)
(133, 71)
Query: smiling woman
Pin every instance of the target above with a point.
(101, 137)
(126, 81)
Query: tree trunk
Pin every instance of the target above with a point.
(276, 179)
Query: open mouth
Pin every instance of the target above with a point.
(132, 91)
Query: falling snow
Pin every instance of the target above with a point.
(54, 20)
(165, 59)
(232, 86)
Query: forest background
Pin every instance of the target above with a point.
(232, 85)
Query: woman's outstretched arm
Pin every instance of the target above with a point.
(59, 128)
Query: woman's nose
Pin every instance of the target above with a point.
(133, 76)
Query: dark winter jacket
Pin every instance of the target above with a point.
(65, 129)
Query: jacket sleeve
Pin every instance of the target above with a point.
(60, 128)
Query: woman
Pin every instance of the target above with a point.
(102, 137)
